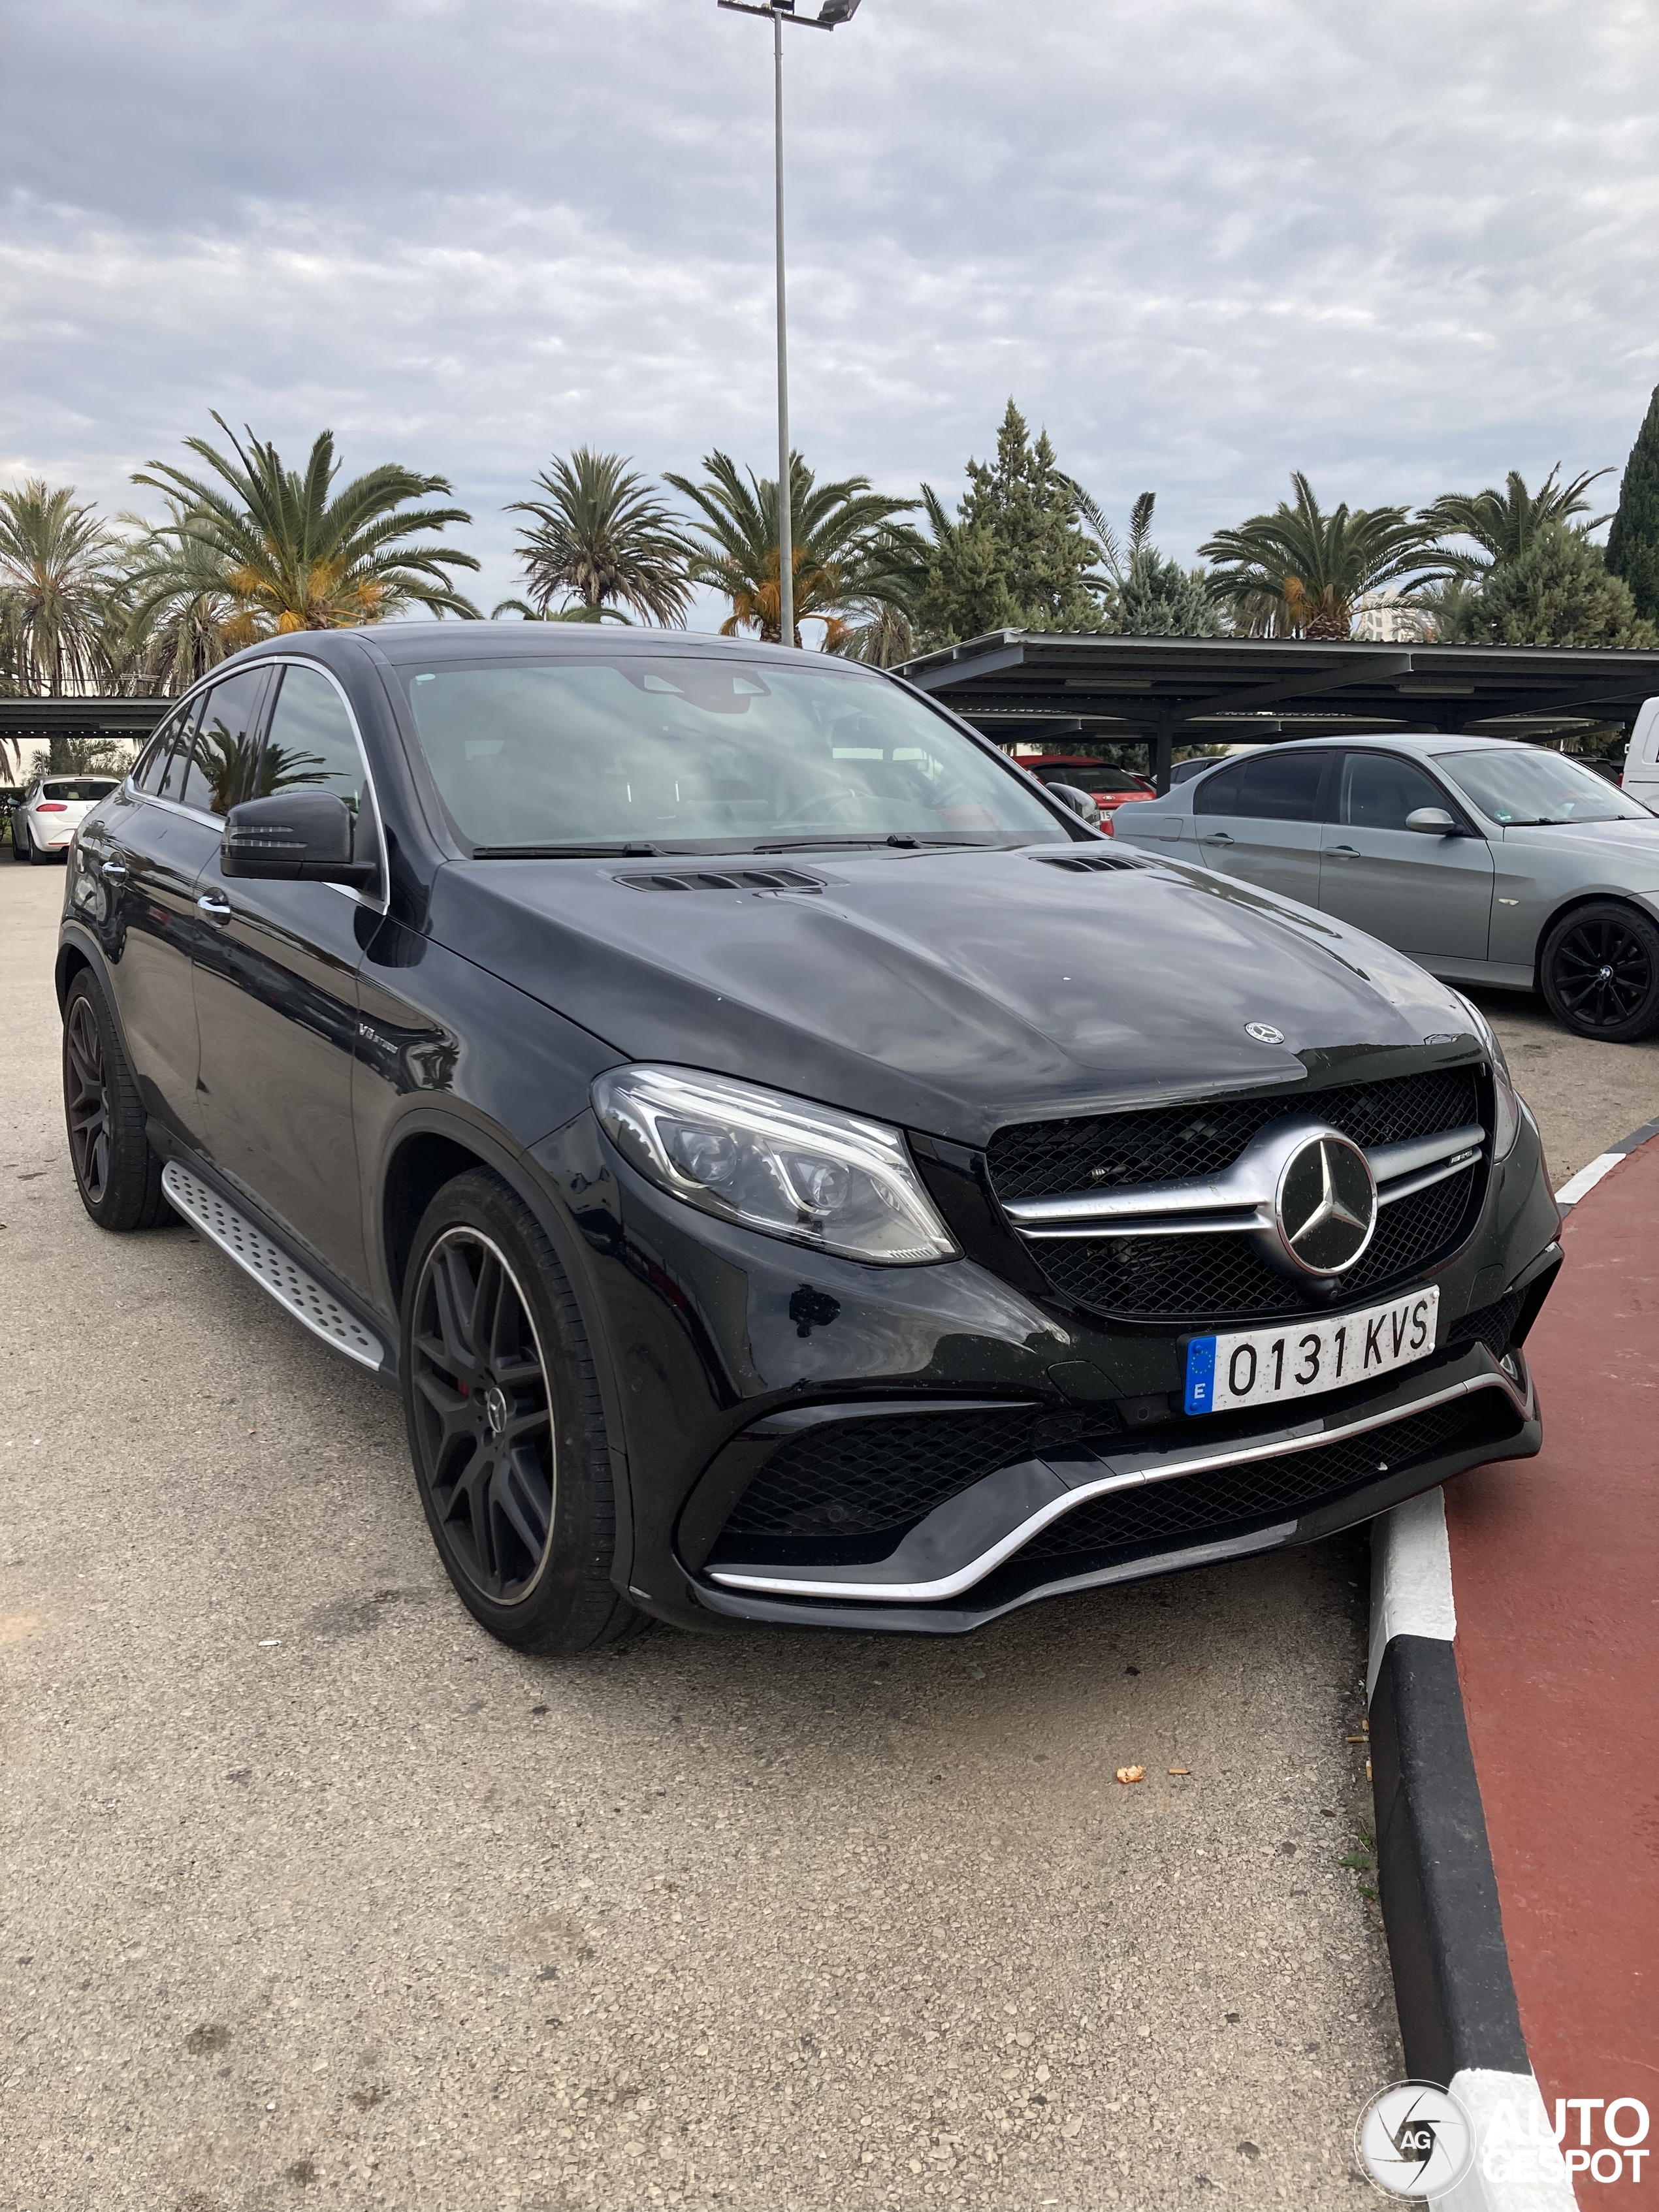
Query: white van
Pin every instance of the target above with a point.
(1641, 777)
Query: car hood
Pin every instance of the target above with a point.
(1626, 852)
(953, 991)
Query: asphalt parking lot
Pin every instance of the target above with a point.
(314, 1893)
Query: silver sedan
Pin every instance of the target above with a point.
(1488, 862)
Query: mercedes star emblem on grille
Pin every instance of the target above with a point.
(1326, 1205)
(1264, 1032)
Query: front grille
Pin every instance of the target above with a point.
(852, 1478)
(1267, 1489)
(1222, 1278)
(1046, 1159)
(1216, 1278)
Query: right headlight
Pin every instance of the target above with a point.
(786, 1166)
(1507, 1116)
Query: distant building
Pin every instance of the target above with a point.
(1380, 618)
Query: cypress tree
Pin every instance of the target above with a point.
(1633, 540)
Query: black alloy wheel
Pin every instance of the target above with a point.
(1600, 973)
(506, 1427)
(116, 1173)
(491, 1460)
(86, 1100)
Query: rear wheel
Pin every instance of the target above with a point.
(19, 839)
(506, 1427)
(1600, 971)
(39, 859)
(118, 1174)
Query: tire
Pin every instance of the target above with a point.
(506, 1427)
(115, 1172)
(1600, 972)
(38, 858)
(19, 840)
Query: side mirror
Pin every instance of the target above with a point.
(308, 836)
(1432, 821)
(1078, 802)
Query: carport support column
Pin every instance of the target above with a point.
(1163, 747)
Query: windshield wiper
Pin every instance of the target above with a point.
(901, 840)
(568, 852)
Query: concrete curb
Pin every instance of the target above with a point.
(1459, 2021)
(1581, 1185)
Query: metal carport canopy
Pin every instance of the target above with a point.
(1020, 685)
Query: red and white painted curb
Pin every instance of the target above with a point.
(1459, 2018)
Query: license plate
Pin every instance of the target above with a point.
(1258, 1366)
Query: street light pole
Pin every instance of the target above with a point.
(786, 518)
(830, 13)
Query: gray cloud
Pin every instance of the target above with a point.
(1204, 244)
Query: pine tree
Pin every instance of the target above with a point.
(1559, 593)
(1029, 507)
(1633, 540)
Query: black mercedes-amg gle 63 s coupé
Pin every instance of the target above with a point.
(792, 1169)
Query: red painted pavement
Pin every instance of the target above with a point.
(1555, 1573)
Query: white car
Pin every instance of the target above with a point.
(45, 820)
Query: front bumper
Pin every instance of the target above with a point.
(723, 1346)
(1088, 1516)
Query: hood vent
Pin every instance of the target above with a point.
(725, 879)
(1087, 863)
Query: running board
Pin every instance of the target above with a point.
(302, 1294)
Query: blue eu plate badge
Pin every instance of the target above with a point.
(1201, 1374)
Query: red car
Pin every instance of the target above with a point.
(1109, 786)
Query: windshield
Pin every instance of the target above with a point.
(80, 793)
(1524, 788)
(707, 753)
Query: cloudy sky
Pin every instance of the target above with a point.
(1405, 248)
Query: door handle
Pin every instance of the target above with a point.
(114, 871)
(1217, 837)
(214, 905)
(1346, 852)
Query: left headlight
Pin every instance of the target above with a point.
(782, 1165)
(1507, 1116)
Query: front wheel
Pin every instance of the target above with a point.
(506, 1427)
(1600, 971)
(115, 1172)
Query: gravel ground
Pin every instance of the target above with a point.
(315, 1893)
(1586, 1096)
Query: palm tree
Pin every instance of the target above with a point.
(850, 554)
(1504, 524)
(1298, 571)
(183, 614)
(56, 571)
(297, 558)
(603, 539)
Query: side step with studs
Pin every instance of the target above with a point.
(302, 1294)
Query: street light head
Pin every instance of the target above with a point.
(838, 11)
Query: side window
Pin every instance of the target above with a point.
(221, 758)
(171, 764)
(1221, 793)
(152, 763)
(311, 746)
(1379, 790)
(1285, 786)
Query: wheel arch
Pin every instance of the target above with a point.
(76, 954)
(431, 1149)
